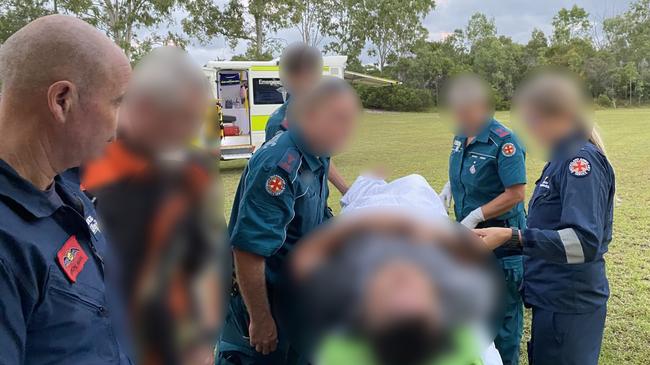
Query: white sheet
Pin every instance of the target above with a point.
(411, 193)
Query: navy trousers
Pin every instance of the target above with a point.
(566, 338)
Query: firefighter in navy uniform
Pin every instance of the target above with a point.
(281, 197)
(56, 306)
(570, 219)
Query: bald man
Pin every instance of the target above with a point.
(62, 85)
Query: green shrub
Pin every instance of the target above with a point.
(604, 101)
(394, 98)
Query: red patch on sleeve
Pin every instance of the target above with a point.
(71, 257)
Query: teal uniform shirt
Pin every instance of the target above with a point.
(482, 170)
(277, 121)
(282, 196)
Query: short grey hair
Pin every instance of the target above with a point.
(299, 57)
(164, 74)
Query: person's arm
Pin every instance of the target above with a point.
(584, 214)
(504, 202)
(337, 179)
(250, 271)
(584, 208)
(265, 210)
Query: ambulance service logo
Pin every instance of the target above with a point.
(275, 185)
(508, 149)
(579, 167)
(71, 258)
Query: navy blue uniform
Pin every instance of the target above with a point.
(53, 302)
(281, 197)
(277, 121)
(479, 172)
(569, 228)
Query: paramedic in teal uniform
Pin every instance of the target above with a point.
(487, 179)
(281, 197)
(301, 66)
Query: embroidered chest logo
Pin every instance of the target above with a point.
(72, 258)
(508, 149)
(579, 167)
(472, 169)
(92, 224)
(275, 185)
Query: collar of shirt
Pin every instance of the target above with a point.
(483, 136)
(314, 162)
(569, 145)
(22, 192)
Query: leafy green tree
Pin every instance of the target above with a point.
(120, 19)
(253, 21)
(393, 26)
(313, 19)
(14, 14)
(570, 24)
(347, 31)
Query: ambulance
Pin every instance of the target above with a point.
(246, 93)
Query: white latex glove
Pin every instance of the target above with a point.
(473, 218)
(445, 195)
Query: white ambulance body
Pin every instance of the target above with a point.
(249, 91)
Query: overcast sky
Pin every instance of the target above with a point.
(515, 18)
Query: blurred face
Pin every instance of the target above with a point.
(400, 290)
(92, 124)
(165, 127)
(300, 82)
(331, 124)
(470, 117)
(547, 131)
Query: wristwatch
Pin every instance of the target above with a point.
(515, 240)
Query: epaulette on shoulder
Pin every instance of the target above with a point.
(290, 161)
(500, 131)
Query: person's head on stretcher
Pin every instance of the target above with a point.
(402, 286)
(326, 115)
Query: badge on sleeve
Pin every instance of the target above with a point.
(71, 258)
(275, 185)
(508, 149)
(579, 167)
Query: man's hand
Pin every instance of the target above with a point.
(473, 218)
(263, 334)
(445, 195)
(494, 236)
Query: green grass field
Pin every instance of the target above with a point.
(406, 143)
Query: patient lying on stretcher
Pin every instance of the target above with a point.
(361, 266)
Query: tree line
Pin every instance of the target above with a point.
(611, 57)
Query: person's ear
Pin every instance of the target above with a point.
(61, 96)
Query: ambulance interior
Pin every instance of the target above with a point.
(232, 91)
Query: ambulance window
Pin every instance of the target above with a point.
(267, 91)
